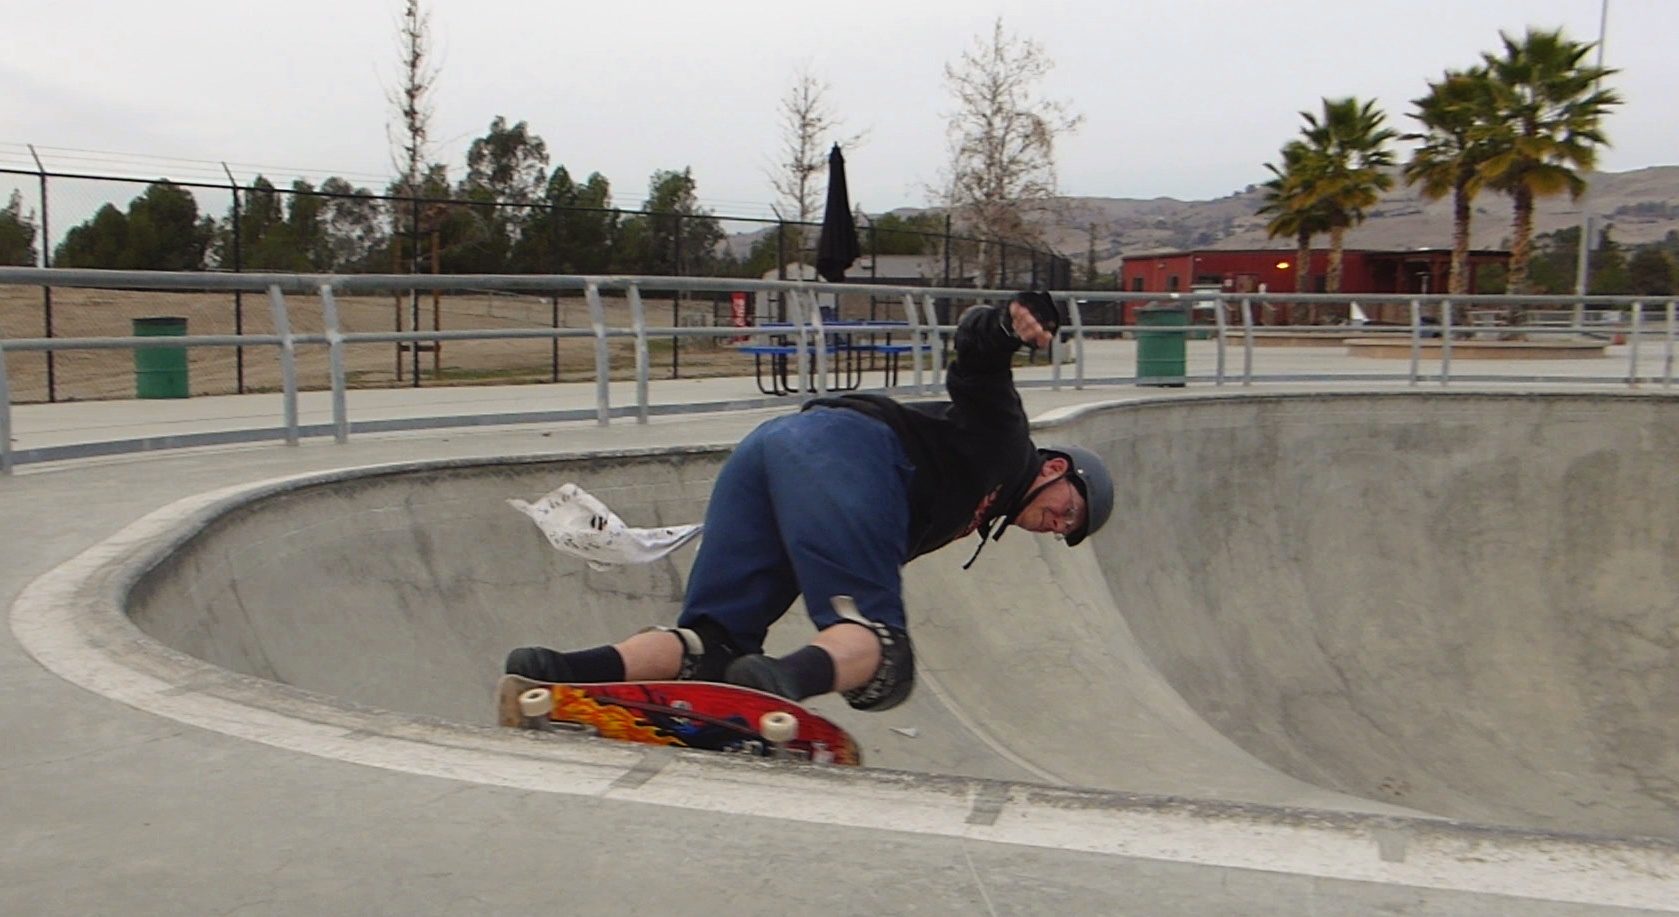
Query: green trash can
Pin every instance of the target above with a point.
(1160, 354)
(160, 372)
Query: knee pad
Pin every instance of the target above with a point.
(894, 679)
(707, 650)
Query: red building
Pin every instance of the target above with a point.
(1273, 271)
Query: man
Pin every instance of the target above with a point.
(833, 501)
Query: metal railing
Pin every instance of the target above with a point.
(1433, 326)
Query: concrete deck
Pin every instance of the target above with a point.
(1377, 650)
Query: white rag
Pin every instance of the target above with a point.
(577, 523)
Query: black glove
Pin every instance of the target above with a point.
(1043, 308)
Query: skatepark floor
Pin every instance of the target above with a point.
(1316, 668)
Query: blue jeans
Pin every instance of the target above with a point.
(814, 503)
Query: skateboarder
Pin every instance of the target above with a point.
(833, 501)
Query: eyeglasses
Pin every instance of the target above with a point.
(1070, 516)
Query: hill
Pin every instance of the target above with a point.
(1642, 205)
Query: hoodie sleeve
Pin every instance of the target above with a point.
(981, 379)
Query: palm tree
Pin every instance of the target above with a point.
(1548, 111)
(1350, 162)
(1294, 212)
(1451, 153)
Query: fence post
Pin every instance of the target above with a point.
(6, 414)
(1445, 342)
(288, 361)
(557, 251)
(1077, 315)
(414, 268)
(1667, 349)
(1222, 322)
(238, 295)
(1416, 341)
(1247, 341)
(638, 318)
(1632, 343)
(935, 349)
(335, 360)
(946, 282)
(780, 267)
(46, 261)
(603, 360)
(676, 300)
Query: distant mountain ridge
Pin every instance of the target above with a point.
(1642, 205)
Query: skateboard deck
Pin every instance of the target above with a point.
(683, 714)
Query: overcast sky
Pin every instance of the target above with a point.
(1181, 98)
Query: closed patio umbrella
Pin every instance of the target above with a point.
(837, 247)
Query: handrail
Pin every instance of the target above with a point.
(921, 323)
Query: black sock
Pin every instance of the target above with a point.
(811, 669)
(600, 663)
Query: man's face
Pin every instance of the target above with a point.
(1057, 509)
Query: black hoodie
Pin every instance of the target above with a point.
(973, 455)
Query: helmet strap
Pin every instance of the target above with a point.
(1007, 519)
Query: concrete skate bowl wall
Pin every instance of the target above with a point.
(1467, 604)
(1453, 604)
(403, 588)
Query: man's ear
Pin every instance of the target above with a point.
(1054, 467)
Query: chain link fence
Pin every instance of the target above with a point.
(95, 221)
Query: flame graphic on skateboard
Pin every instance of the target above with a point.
(683, 714)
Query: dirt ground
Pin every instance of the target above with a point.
(104, 374)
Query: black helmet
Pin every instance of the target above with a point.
(1090, 475)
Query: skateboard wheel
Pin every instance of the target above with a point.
(537, 702)
(778, 727)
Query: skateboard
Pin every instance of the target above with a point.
(683, 714)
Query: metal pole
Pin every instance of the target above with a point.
(1219, 321)
(1445, 341)
(1247, 341)
(1077, 315)
(335, 359)
(288, 362)
(414, 268)
(1632, 343)
(802, 337)
(1667, 360)
(6, 413)
(935, 349)
(603, 362)
(1416, 340)
(1583, 270)
(638, 317)
(676, 305)
(780, 314)
(946, 282)
(238, 295)
(554, 301)
(917, 338)
(46, 261)
(820, 339)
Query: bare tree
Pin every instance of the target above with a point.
(411, 142)
(1002, 141)
(808, 130)
(411, 149)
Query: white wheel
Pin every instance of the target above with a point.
(779, 727)
(537, 702)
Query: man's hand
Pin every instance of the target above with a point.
(1028, 328)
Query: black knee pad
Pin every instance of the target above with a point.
(894, 679)
(707, 650)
